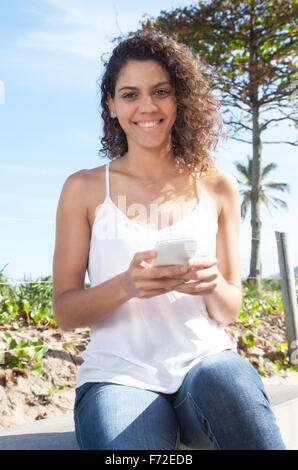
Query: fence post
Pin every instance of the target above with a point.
(288, 290)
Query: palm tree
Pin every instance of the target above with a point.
(265, 198)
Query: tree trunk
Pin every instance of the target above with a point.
(255, 259)
(254, 274)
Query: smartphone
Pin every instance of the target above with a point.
(174, 251)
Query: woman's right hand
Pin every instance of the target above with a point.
(145, 281)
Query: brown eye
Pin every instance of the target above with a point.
(129, 95)
(162, 92)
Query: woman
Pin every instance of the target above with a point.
(159, 368)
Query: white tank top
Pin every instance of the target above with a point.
(148, 343)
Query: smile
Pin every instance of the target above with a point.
(148, 124)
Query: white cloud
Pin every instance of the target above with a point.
(79, 43)
(75, 27)
(66, 46)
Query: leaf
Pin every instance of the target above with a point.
(37, 368)
(6, 335)
(70, 343)
(13, 361)
(278, 365)
(249, 337)
(10, 340)
(26, 306)
(19, 353)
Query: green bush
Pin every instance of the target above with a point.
(271, 284)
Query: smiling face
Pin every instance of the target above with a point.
(144, 103)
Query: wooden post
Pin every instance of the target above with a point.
(288, 289)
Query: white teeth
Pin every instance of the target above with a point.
(148, 124)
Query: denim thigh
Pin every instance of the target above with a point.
(222, 404)
(113, 416)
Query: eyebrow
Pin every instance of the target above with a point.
(136, 88)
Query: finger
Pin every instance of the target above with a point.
(153, 293)
(157, 272)
(166, 283)
(142, 257)
(201, 262)
(189, 287)
(198, 288)
(203, 275)
(183, 277)
(155, 288)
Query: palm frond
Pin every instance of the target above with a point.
(246, 182)
(267, 169)
(278, 186)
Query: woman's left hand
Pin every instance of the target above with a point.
(204, 271)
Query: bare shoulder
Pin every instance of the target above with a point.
(80, 182)
(228, 188)
(75, 194)
(90, 188)
(222, 187)
(221, 181)
(92, 174)
(79, 177)
(96, 184)
(76, 181)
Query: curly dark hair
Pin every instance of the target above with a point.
(198, 124)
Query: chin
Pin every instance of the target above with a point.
(149, 143)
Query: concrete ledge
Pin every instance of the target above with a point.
(57, 433)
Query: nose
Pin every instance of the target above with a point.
(147, 105)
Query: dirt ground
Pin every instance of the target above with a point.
(25, 397)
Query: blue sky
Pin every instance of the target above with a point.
(50, 125)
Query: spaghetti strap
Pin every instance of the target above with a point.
(107, 181)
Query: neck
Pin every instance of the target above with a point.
(150, 164)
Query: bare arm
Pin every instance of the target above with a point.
(224, 304)
(74, 306)
(80, 308)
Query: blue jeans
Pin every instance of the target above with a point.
(221, 404)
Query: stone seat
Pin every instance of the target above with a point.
(57, 433)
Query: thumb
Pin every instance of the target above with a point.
(143, 256)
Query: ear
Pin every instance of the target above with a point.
(111, 105)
